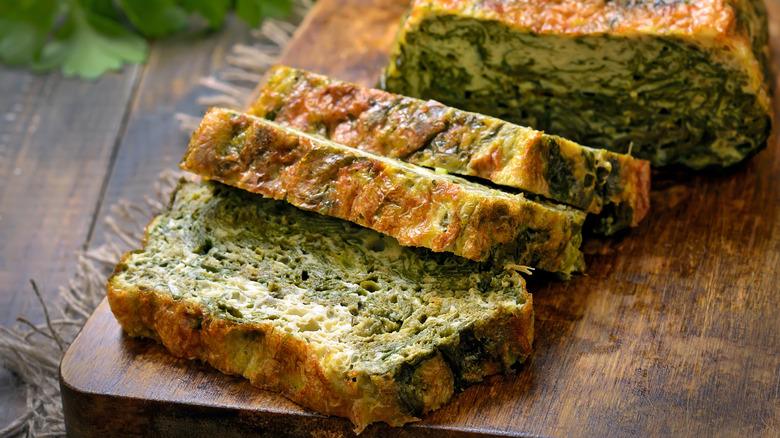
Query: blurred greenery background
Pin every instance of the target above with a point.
(87, 38)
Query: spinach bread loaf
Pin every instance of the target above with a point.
(682, 83)
(338, 318)
(427, 133)
(415, 205)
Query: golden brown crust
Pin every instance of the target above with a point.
(719, 25)
(430, 134)
(279, 362)
(637, 174)
(712, 18)
(269, 359)
(413, 205)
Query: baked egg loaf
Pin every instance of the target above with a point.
(682, 83)
(336, 317)
(415, 205)
(616, 187)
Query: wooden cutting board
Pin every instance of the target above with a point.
(674, 330)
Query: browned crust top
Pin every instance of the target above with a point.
(428, 211)
(714, 19)
(430, 134)
(281, 362)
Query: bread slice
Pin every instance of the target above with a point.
(336, 317)
(410, 203)
(679, 83)
(427, 133)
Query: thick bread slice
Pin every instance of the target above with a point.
(336, 317)
(430, 134)
(415, 205)
(679, 83)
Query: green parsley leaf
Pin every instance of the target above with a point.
(249, 11)
(19, 41)
(155, 18)
(87, 38)
(276, 8)
(88, 45)
(23, 29)
(254, 11)
(212, 10)
(104, 8)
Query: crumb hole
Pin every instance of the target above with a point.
(369, 285)
(377, 246)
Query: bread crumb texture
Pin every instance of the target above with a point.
(339, 318)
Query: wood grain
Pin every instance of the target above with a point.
(153, 140)
(673, 331)
(346, 39)
(57, 137)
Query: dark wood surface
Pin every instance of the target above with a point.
(673, 331)
(70, 148)
(47, 207)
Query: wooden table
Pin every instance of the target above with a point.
(69, 149)
(674, 329)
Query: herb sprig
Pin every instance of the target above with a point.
(87, 38)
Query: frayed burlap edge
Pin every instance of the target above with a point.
(248, 63)
(33, 351)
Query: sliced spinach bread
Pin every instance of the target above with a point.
(682, 83)
(415, 205)
(338, 318)
(614, 186)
